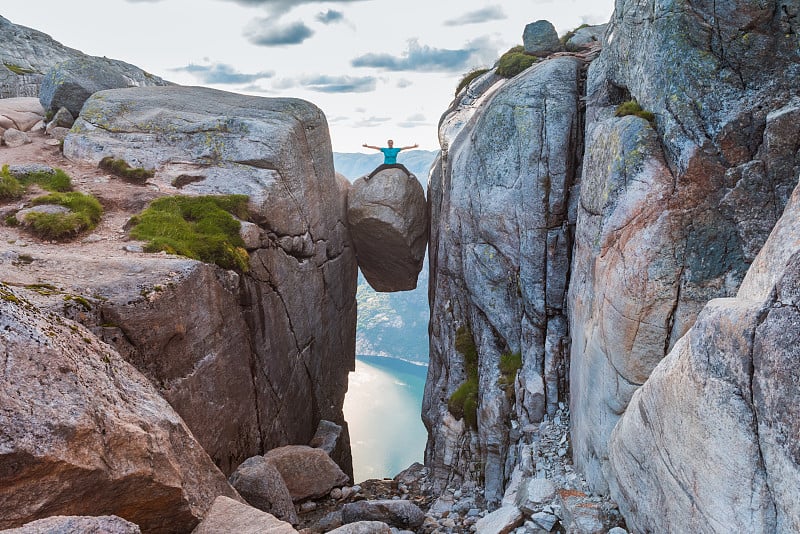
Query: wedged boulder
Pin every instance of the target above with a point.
(261, 485)
(308, 472)
(388, 222)
(227, 516)
(22, 113)
(708, 444)
(84, 433)
(397, 513)
(276, 343)
(70, 83)
(326, 437)
(540, 38)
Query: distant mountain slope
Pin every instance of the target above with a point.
(354, 165)
(391, 324)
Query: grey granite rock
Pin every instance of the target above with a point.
(388, 220)
(540, 38)
(14, 138)
(85, 433)
(586, 36)
(261, 485)
(106, 524)
(672, 211)
(709, 429)
(397, 513)
(227, 516)
(70, 83)
(499, 257)
(277, 342)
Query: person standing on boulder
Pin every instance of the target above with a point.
(390, 158)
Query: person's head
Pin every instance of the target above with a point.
(390, 143)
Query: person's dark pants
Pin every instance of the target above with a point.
(385, 166)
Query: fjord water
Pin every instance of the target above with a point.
(382, 409)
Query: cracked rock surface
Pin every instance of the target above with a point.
(673, 211)
(713, 426)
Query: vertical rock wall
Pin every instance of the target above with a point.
(673, 211)
(251, 360)
(499, 252)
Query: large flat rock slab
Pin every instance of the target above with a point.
(389, 225)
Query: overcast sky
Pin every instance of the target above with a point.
(378, 69)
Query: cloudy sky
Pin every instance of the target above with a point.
(378, 69)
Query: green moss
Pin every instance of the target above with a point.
(468, 77)
(510, 363)
(16, 69)
(202, 228)
(632, 107)
(85, 304)
(120, 167)
(463, 403)
(43, 289)
(85, 212)
(10, 188)
(14, 186)
(514, 61)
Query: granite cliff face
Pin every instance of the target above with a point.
(672, 212)
(499, 255)
(668, 214)
(253, 360)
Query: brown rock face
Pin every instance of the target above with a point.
(389, 225)
(84, 433)
(227, 516)
(308, 472)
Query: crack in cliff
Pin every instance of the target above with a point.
(670, 322)
(762, 317)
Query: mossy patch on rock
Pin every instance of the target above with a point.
(84, 214)
(201, 228)
(119, 167)
(632, 107)
(514, 61)
(13, 186)
(463, 403)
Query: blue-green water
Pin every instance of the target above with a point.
(382, 409)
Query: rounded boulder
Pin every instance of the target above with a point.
(388, 221)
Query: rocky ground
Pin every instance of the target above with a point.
(556, 500)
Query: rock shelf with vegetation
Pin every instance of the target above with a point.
(613, 293)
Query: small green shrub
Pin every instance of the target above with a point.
(463, 403)
(468, 77)
(10, 188)
(202, 228)
(514, 61)
(57, 181)
(510, 363)
(120, 167)
(85, 212)
(632, 107)
(14, 187)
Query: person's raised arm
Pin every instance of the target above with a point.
(415, 145)
(365, 145)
